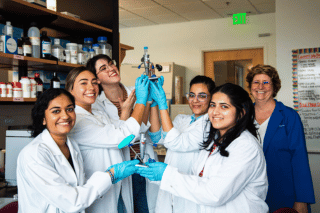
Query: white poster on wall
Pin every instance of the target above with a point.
(306, 78)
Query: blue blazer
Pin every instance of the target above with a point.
(286, 155)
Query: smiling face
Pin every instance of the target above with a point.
(199, 107)
(262, 88)
(85, 89)
(59, 117)
(107, 72)
(222, 113)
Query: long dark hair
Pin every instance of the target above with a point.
(241, 100)
(42, 103)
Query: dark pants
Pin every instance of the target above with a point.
(139, 194)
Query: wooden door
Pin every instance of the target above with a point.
(254, 55)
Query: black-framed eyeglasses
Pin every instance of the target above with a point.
(108, 67)
(201, 97)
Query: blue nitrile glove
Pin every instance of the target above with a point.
(150, 160)
(158, 94)
(142, 85)
(161, 79)
(154, 172)
(124, 169)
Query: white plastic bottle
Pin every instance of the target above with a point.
(8, 30)
(81, 59)
(33, 88)
(86, 55)
(106, 48)
(9, 90)
(34, 35)
(1, 46)
(26, 87)
(57, 50)
(3, 90)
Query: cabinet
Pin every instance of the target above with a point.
(98, 18)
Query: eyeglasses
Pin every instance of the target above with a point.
(201, 97)
(108, 68)
(264, 83)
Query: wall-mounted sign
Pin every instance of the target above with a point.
(239, 18)
(306, 93)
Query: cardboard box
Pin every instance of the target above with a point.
(52, 5)
(10, 44)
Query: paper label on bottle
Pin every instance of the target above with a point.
(56, 84)
(12, 45)
(39, 88)
(26, 49)
(1, 46)
(46, 47)
(20, 51)
(35, 41)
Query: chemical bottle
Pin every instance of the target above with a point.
(1, 45)
(26, 87)
(57, 50)
(86, 55)
(45, 46)
(27, 47)
(106, 48)
(39, 84)
(3, 90)
(16, 90)
(88, 43)
(81, 59)
(8, 30)
(91, 53)
(20, 45)
(9, 90)
(55, 82)
(96, 48)
(34, 36)
(33, 84)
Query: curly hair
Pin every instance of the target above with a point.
(42, 103)
(267, 70)
(241, 100)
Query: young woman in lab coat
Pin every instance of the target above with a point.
(189, 128)
(229, 174)
(50, 173)
(115, 100)
(98, 137)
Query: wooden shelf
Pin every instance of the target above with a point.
(18, 99)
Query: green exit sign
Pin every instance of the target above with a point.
(239, 18)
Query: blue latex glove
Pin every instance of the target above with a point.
(154, 172)
(142, 85)
(158, 94)
(124, 169)
(161, 79)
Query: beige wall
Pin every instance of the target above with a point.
(183, 43)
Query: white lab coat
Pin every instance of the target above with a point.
(47, 182)
(98, 141)
(104, 105)
(192, 135)
(234, 184)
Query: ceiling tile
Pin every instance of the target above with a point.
(168, 18)
(201, 15)
(241, 9)
(266, 8)
(188, 7)
(254, 2)
(151, 11)
(166, 2)
(133, 4)
(137, 22)
(123, 14)
(221, 4)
